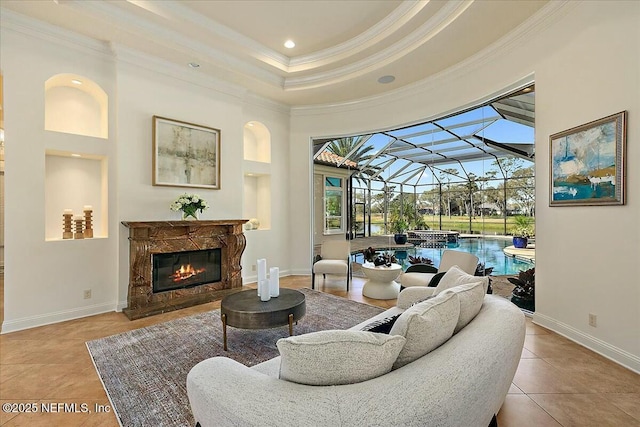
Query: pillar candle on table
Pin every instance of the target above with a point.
(274, 281)
(262, 272)
(263, 287)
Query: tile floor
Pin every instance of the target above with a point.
(558, 383)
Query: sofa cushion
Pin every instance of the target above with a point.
(436, 279)
(426, 326)
(455, 276)
(471, 297)
(337, 357)
(382, 326)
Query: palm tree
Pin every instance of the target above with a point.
(343, 146)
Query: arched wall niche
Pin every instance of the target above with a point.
(257, 176)
(257, 142)
(75, 104)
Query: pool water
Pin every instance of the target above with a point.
(488, 250)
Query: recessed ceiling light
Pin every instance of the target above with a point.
(194, 65)
(76, 82)
(289, 44)
(386, 79)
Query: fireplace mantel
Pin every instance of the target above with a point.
(155, 237)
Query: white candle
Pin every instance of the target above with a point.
(78, 218)
(262, 272)
(274, 281)
(88, 207)
(263, 286)
(68, 211)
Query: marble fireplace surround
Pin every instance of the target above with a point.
(154, 237)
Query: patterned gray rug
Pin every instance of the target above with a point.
(144, 371)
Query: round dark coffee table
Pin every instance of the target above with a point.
(245, 310)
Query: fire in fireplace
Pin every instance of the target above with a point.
(178, 270)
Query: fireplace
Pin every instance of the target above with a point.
(178, 270)
(177, 264)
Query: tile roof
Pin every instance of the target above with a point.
(331, 159)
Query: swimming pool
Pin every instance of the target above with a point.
(487, 249)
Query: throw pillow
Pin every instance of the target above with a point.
(382, 326)
(337, 357)
(471, 297)
(455, 276)
(426, 326)
(436, 279)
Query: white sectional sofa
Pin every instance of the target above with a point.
(463, 382)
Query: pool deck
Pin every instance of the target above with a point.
(525, 254)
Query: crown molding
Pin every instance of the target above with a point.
(180, 42)
(126, 55)
(154, 64)
(257, 50)
(254, 99)
(441, 20)
(10, 20)
(540, 21)
(383, 29)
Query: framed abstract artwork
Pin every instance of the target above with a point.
(587, 163)
(185, 154)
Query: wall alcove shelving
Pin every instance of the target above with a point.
(257, 174)
(76, 172)
(77, 105)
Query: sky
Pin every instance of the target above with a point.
(482, 121)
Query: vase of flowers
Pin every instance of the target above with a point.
(189, 205)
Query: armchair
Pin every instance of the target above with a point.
(334, 256)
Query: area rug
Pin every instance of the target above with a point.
(144, 371)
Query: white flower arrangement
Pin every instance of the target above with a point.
(189, 204)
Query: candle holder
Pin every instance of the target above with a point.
(66, 226)
(88, 224)
(78, 234)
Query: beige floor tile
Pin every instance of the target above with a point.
(537, 376)
(41, 351)
(36, 383)
(526, 354)
(61, 412)
(513, 389)
(533, 329)
(521, 411)
(628, 402)
(584, 410)
(10, 371)
(553, 345)
(82, 384)
(598, 374)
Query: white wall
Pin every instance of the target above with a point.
(586, 61)
(45, 280)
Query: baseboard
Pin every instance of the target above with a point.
(254, 277)
(56, 317)
(302, 272)
(615, 354)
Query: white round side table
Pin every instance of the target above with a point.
(381, 283)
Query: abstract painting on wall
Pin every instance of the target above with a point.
(185, 155)
(587, 163)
